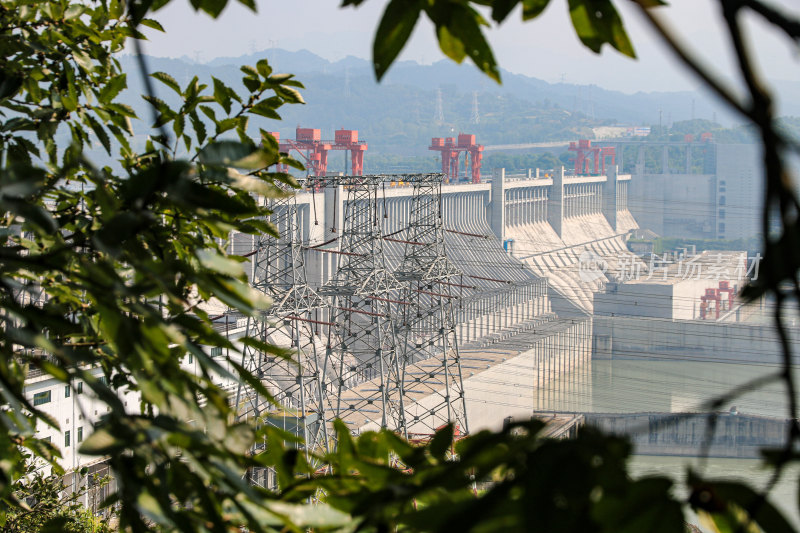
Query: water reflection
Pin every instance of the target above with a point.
(636, 385)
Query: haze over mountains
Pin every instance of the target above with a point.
(398, 116)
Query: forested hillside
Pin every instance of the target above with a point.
(398, 117)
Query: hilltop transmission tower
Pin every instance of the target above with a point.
(278, 270)
(430, 358)
(475, 118)
(364, 377)
(438, 115)
(347, 82)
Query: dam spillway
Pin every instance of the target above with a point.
(515, 291)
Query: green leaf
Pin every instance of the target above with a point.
(74, 11)
(56, 371)
(111, 89)
(58, 524)
(265, 109)
(459, 33)
(501, 9)
(263, 68)
(290, 94)
(252, 84)
(396, 25)
(712, 496)
(212, 7)
(212, 260)
(101, 442)
(646, 506)
(179, 124)
(451, 45)
(83, 60)
(441, 442)
(222, 95)
(167, 80)
(533, 8)
(198, 126)
(597, 22)
(235, 154)
(9, 85)
(98, 130)
(150, 23)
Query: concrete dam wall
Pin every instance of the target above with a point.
(515, 331)
(621, 337)
(513, 229)
(734, 435)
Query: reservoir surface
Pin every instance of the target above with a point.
(644, 384)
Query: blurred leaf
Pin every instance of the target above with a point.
(533, 8)
(502, 8)
(212, 7)
(441, 442)
(101, 442)
(394, 29)
(735, 503)
(460, 35)
(647, 505)
(597, 22)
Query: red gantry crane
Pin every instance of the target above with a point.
(585, 151)
(308, 144)
(451, 153)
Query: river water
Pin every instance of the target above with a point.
(643, 384)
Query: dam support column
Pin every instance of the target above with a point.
(555, 204)
(610, 197)
(498, 205)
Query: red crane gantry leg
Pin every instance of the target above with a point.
(451, 152)
(313, 150)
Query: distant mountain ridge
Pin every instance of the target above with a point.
(398, 116)
(637, 108)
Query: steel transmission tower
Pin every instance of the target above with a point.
(475, 117)
(363, 363)
(438, 114)
(431, 363)
(279, 272)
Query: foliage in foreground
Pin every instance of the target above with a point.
(109, 268)
(50, 508)
(510, 480)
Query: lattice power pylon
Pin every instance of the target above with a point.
(431, 364)
(279, 272)
(364, 379)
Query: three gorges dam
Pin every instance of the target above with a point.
(411, 302)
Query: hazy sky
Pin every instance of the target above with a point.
(546, 48)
